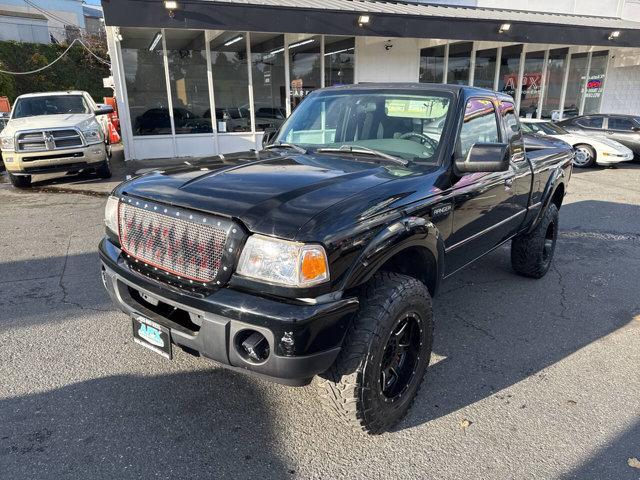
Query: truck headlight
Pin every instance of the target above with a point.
(6, 143)
(280, 261)
(111, 214)
(91, 136)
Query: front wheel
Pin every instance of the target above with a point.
(531, 253)
(585, 156)
(20, 181)
(376, 376)
(104, 170)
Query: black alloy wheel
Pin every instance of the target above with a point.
(401, 356)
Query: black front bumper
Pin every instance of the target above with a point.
(304, 339)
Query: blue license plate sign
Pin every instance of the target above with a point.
(152, 335)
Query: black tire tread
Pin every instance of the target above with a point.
(526, 249)
(340, 388)
(104, 170)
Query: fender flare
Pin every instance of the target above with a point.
(405, 233)
(556, 179)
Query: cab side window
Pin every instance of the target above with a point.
(621, 123)
(508, 111)
(480, 125)
(590, 122)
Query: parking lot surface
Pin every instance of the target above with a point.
(529, 379)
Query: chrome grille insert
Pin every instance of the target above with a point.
(187, 245)
(43, 140)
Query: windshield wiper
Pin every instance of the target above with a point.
(285, 145)
(358, 149)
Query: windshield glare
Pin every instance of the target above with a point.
(408, 126)
(545, 127)
(49, 105)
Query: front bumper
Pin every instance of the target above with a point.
(614, 158)
(304, 339)
(54, 160)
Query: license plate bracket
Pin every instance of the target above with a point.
(152, 335)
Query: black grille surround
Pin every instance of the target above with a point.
(184, 248)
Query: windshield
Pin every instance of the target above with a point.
(49, 105)
(405, 125)
(547, 128)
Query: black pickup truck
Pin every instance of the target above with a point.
(319, 255)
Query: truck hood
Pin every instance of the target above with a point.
(269, 193)
(43, 122)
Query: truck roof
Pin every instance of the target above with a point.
(46, 94)
(446, 87)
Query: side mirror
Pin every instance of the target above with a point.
(485, 157)
(269, 134)
(103, 110)
(636, 129)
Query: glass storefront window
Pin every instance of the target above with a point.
(339, 60)
(186, 55)
(143, 65)
(595, 84)
(485, 71)
(531, 82)
(230, 77)
(267, 70)
(575, 84)
(432, 64)
(459, 63)
(553, 82)
(509, 69)
(304, 66)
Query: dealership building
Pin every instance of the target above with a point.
(202, 77)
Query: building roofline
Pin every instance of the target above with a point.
(388, 20)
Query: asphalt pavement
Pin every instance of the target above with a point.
(529, 379)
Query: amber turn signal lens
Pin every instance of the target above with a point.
(314, 265)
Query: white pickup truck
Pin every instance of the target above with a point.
(55, 132)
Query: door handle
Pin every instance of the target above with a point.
(508, 183)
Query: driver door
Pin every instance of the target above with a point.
(483, 202)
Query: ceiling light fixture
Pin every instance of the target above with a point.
(233, 40)
(364, 20)
(155, 41)
(614, 34)
(339, 51)
(505, 27)
(293, 45)
(299, 44)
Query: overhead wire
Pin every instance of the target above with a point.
(57, 59)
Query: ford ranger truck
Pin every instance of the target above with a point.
(55, 132)
(319, 255)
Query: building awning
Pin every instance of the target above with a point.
(388, 19)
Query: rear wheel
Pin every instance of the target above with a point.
(532, 253)
(585, 156)
(374, 380)
(20, 181)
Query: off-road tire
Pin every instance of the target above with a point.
(20, 181)
(532, 253)
(352, 387)
(588, 149)
(104, 170)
